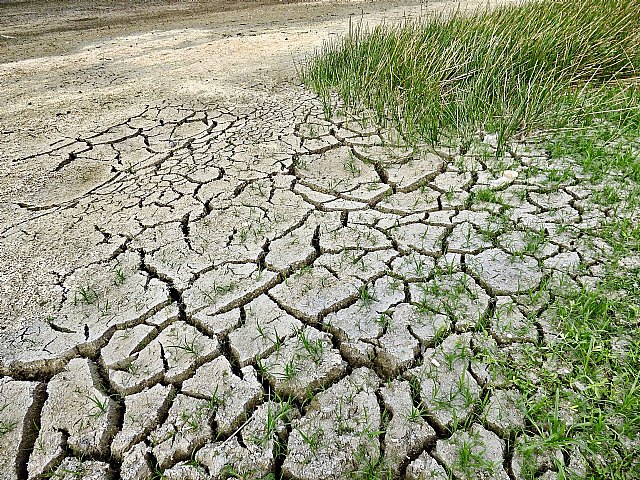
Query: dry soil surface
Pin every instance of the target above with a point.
(200, 274)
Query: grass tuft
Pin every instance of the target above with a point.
(517, 68)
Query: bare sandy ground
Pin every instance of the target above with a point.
(74, 68)
(89, 78)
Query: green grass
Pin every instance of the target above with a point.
(602, 390)
(538, 65)
(563, 73)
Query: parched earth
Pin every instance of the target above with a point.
(212, 289)
(232, 257)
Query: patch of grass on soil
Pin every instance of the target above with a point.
(565, 72)
(541, 64)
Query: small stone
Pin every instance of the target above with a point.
(510, 174)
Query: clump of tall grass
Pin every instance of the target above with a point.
(516, 68)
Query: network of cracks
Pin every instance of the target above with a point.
(267, 291)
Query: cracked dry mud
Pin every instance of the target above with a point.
(239, 256)
(245, 288)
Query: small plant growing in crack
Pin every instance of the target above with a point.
(369, 431)
(99, 407)
(351, 167)
(333, 184)
(243, 233)
(39, 445)
(418, 266)
(277, 415)
(106, 308)
(384, 321)
(395, 285)
(449, 194)
(343, 425)
(259, 273)
(289, 370)
(64, 473)
(534, 240)
(87, 295)
(189, 346)
(191, 420)
(262, 368)
(158, 474)
(218, 290)
(367, 296)
(370, 468)
(301, 163)
(6, 426)
(486, 195)
(278, 341)
(459, 352)
(131, 368)
(215, 400)
(119, 276)
(261, 331)
(470, 461)
(305, 269)
(312, 439)
(315, 348)
(416, 413)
